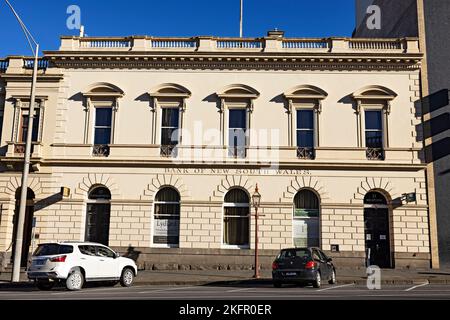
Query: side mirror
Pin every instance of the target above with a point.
(117, 255)
(329, 260)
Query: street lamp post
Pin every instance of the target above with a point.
(27, 157)
(256, 201)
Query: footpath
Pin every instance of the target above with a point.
(245, 278)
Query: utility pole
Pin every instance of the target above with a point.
(27, 157)
(241, 19)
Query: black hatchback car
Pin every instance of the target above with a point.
(303, 265)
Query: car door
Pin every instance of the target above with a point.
(328, 263)
(89, 261)
(109, 265)
(317, 257)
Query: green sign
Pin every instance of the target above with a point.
(306, 213)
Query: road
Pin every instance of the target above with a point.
(261, 292)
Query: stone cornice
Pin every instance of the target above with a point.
(263, 62)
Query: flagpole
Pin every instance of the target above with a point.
(241, 19)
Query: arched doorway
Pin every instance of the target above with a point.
(27, 226)
(236, 219)
(377, 230)
(166, 218)
(98, 215)
(306, 219)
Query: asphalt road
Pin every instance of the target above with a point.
(261, 292)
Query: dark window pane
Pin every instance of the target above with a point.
(169, 136)
(305, 139)
(103, 117)
(236, 231)
(100, 193)
(52, 250)
(374, 139)
(237, 196)
(167, 195)
(170, 117)
(306, 199)
(237, 137)
(305, 119)
(373, 120)
(238, 118)
(102, 136)
(35, 132)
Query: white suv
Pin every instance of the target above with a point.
(78, 262)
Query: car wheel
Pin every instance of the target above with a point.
(333, 277)
(44, 285)
(277, 284)
(75, 280)
(318, 282)
(127, 277)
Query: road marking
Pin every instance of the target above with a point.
(336, 287)
(418, 286)
(239, 290)
(165, 290)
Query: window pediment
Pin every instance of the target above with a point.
(374, 93)
(239, 91)
(305, 92)
(103, 89)
(170, 90)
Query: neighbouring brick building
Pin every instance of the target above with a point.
(163, 141)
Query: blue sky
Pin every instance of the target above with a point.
(47, 19)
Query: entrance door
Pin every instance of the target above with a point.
(27, 227)
(376, 223)
(98, 216)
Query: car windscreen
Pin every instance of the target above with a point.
(302, 253)
(52, 250)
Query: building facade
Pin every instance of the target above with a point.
(428, 20)
(162, 143)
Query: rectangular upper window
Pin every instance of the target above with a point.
(374, 129)
(237, 132)
(305, 128)
(170, 126)
(103, 124)
(24, 125)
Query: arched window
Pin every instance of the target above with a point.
(236, 220)
(306, 222)
(166, 222)
(98, 215)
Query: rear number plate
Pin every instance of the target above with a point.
(290, 274)
(40, 262)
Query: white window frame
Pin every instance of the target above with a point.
(319, 218)
(384, 122)
(235, 205)
(237, 106)
(152, 224)
(307, 107)
(169, 105)
(103, 106)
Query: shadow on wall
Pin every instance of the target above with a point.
(436, 125)
(132, 254)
